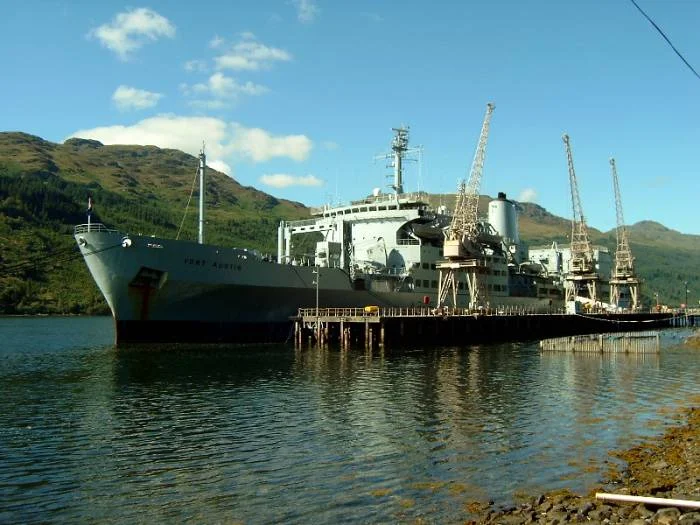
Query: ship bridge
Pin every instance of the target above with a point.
(376, 217)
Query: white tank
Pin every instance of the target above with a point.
(503, 216)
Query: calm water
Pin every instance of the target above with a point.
(269, 435)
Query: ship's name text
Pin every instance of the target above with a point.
(214, 264)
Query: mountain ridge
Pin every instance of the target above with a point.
(44, 188)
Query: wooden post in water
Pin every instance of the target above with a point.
(366, 334)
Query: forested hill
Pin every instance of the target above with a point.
(44, 188)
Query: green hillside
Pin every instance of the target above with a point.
(43, 193)
(145, 189)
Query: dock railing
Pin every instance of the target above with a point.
(421, 311)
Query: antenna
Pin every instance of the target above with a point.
(399, 154)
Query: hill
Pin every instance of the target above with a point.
(44, 188)
(43, 193)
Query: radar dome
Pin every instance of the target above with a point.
(376, 192)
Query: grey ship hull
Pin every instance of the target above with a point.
(164, 290)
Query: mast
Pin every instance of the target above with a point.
(202, 166)
(399, 146)
(400, 152)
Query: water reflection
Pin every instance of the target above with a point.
(268, 434)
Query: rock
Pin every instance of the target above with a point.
(690, 518)
(601, 513)
(643, 511)
(667, 516)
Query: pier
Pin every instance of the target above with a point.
(377, 327)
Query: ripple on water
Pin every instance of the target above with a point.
(272, 435)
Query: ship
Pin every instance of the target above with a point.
(382, 250)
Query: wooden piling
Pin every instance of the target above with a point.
(626, 343)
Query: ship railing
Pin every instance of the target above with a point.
(425, 311)
(381, 199)
(301, 222)
(92, 227)
(407, 242)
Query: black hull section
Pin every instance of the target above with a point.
(503, 328)
(128, 332)
(400, 331)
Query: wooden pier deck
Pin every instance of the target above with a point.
(374, 326)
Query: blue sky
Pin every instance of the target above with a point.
(297, 97)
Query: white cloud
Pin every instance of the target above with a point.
(219, 165)
(283, 180)
(221, 86)
(250, 55)
(198, 66)
(127, 98)
(216, 42)
(223, 139)
(527, 195)
(131, 29)
(223, 91)
(306, 10)
(259, 146)
(166, 131)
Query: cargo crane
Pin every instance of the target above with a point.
(462, 250)
(582, 276)
(623, 275)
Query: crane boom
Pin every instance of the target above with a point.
(464, 254)
(581, 250)
(464, 227)
(624, 262)
(582, 279)
(623, 276)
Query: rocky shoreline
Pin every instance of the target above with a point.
(667, 467)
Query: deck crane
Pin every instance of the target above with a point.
(462, 251)
(582, 274)
(623, 275)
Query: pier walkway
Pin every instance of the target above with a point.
(374, 326)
